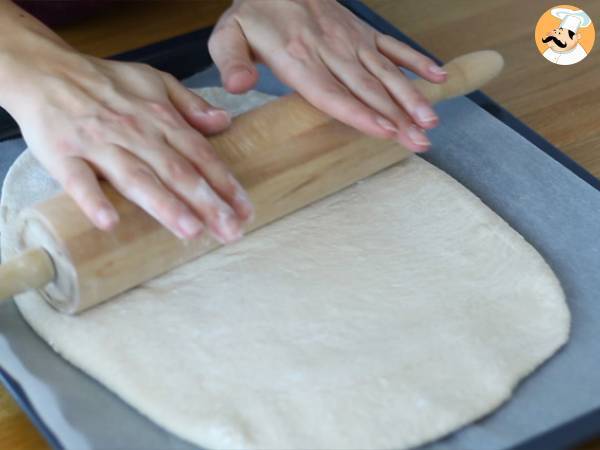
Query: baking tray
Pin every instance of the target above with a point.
(559, 217)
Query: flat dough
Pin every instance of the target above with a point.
(385, 316)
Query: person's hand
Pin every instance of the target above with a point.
(333, 59)
(139, 128)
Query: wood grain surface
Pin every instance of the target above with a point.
(559, 102)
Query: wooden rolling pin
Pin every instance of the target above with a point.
(287, 154)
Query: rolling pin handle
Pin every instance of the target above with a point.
(466, 74)
(30, 270)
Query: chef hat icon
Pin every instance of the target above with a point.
(571, 19)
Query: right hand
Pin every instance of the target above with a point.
(336, 61)
(139, 128)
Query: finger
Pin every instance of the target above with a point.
(81, 183)
(200, 114)
(196, 149)
(403, 55)
(320, 88)
(138, 183)
(230, 52)
(401, 89)
(181, 177)
(370, 90)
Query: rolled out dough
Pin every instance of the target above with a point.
(385, 316)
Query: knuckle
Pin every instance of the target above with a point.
(159, 107)
(103, 81)
(206, 198)
(142, 72)
(402, 121)
(331, 91)
(198, 149)
(219, 32)
(426, 60)
(139, 176)
(64, 147)
(424, 65)
(298, 49)
(178, 170)
(387, 39)
(369, 83)
(116, 120)
(163, 111)
(421, 61)
(414, 98)
(343, 49)
(144, 67)
(332, 29)
(168, 76)
(405, 93)
(93, 129)
(167, 206)
(72, 183)
(207, 156)
(126, 120)
(388, 67)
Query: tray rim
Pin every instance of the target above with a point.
(163, 54)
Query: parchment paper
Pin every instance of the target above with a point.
(555, 210)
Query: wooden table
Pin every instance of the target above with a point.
(561, 103)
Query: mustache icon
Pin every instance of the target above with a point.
(556, 41)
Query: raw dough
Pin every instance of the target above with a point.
(384, 316)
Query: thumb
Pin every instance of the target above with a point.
(200, 114)
(231, 53)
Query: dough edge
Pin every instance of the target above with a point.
(186, 430)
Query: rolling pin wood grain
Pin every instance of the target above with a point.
(286, 154)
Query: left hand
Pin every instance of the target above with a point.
(334, 60)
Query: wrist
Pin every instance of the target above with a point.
(26, 63)
(26, 47)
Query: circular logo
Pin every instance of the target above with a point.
(565, 35)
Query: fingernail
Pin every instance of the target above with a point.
(417, 136)
(241, 199)
(437, 70)
(425, 114)
(238, 71)
(250, 217)
(106, 218)
(386, 124)
(225, 226)
(189, 225)
(228, 227)
(213, 112)
(218, 113)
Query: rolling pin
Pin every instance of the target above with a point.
(287, 154)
